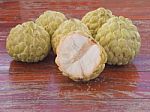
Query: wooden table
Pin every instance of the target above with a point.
(40, 87)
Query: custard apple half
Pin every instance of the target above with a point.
(120, 39)
(79, 57)
(67, 27)
(28, 42)
(95, 19)
(50, 20)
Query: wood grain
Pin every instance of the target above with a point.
(40, 87)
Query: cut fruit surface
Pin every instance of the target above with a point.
(78, 57)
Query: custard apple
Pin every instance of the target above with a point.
(120, 39)
(50, 20)
(79, 57)
(28, 42)
(95, 19)
(67, 27)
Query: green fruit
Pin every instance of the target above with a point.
(67, 27)
(95, 19)
(120, 39)
(50, 20)
(28, 42)
(79, 57)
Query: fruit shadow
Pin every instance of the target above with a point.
(111, 83)
(32, 80)
(43, 80)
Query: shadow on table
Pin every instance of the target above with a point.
(110, 84)
(47, 82)
(32, 80)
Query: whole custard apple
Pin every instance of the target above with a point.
(120, 39)
(95, 19)
(66, 28)
(28, 42)
(50, 20)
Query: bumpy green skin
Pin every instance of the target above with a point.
(97, 70)
(120, 39)
(66, 28)
(28, 42)
(50, 20)
(95, 19)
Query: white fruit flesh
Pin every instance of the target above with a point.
(78, 56)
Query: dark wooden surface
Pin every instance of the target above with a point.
(40, 87)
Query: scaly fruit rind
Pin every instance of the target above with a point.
(120, 39)
(28, 42)
(50, 20)
(95, 19)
